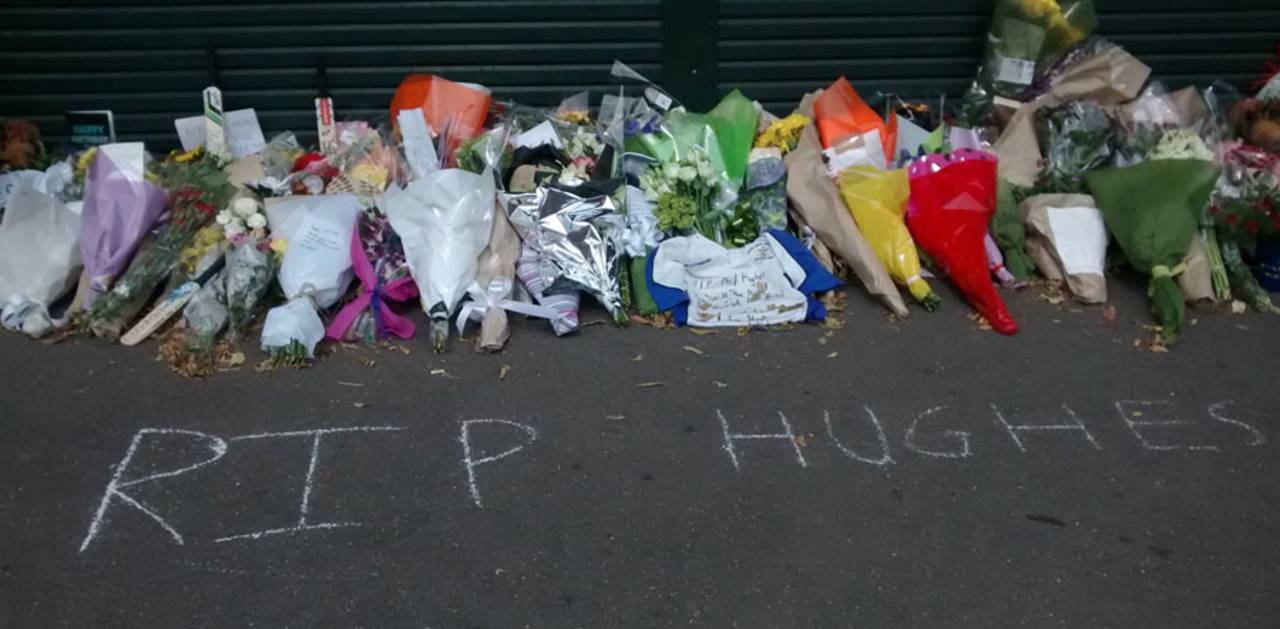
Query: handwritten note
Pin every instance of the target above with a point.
(244, 134)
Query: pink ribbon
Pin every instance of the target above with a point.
(402, 289)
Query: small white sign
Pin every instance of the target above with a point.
(1080, 236)
(243, 133)
(1016, 71)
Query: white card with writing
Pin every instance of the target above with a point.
(418, 149)
(243, 133)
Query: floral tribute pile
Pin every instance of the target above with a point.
(1065, 159)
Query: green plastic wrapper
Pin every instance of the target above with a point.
(1153, 210)
(1009, 232)
(641, 300)
(734, 122)
(724, 134)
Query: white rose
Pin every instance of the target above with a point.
(671, 170)
(688, 173)
(256, 221)
(244, 207)
(224, 217)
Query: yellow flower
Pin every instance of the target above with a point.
(784, 133)
(82, 164)
(279, 245)
(189, 156)
(576, 116)
(205, 240)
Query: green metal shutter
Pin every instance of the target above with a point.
(147, 61)
(775, 51)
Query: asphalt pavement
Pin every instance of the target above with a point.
(913, 473)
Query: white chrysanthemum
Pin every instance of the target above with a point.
(244, 207)
(256, 221)
(224, 217)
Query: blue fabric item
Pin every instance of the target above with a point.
(817, 279)
(667, 298)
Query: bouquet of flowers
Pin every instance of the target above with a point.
(378, 258)
(204, 317)
(1246, 211)
(842, 114)
(765, 192)
(314, 274)
(1009, 232)
(877, 199)
(1153, 209)
(444, 221)
(954, 197)
(120, 206)
(684, 191)
(199, 188)
(250, 267)
(818, 203)
(1027, 36)
(576, 238)
(1075, 139)
(39, 258)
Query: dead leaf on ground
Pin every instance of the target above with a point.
(701, 331)
(360, 404)
(615, 418)
(441, 372)
(833, 354)
(350, 384)
(980, 320)
(1109, 313)
(503, 371)
(693, 350)
(743, 331)
(833, 323)
(235, 359)
(637, 358)
(720, 385)
(592, 322)
(1238, 307)
(368, 362)
(802, 441)
(403, 349)
(650, 385)
(823, 341)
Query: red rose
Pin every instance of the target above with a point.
(1251, 226)
(1232, 219)
(1213, 209)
